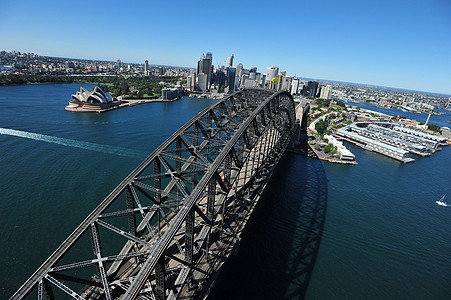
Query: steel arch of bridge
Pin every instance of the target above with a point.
(180, 212)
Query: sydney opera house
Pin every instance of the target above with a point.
(92, 100)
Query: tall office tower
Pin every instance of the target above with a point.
(258, 78)
(118, 64)
(231, 79)
(220, 78)
(326, 91)
(146, 67)
(194, 82)
(278, 83)
(286, 83)
(230, 61)
(294, 86)
(189, 82)
(239, 69)
(312, 87)
(262, 81)
(202, 82)
(271, 72)
(204, 66)
(284, 73)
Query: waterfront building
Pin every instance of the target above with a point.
(171, 93)
(427, 136)
(396, 139)
(189, 83)
(230, 61)
(345, 154)
(374, 145)
(96, 96)
(202, 82)
(91, 100)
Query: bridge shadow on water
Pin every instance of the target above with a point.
(281, 241)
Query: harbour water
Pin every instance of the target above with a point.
(321, 231)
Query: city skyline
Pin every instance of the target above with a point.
(401, 45)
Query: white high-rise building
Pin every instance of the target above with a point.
(294, 86)
(326, 91)
(271, 72)
(189, 82)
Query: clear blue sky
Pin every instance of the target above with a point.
(396, 43)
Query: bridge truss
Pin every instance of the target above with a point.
(168, 226)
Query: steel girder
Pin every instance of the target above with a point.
(180, 212)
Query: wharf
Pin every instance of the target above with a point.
(124, 103)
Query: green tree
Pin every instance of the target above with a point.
(434, 128)
(321, 126)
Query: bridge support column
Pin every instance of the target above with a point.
(189, 237)
(160, 278)
(131, 214)
(211, 199)
(47, 292)
(157, 185)
(178, 153)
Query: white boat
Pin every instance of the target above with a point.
(441, 202)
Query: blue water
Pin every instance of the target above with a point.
(441, 120)
(321, 231)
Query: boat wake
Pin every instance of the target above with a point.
(73, 143)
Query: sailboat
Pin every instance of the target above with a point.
(441, 202)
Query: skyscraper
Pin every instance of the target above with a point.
(294, 86)
(326, 92)
(202, 81)
(204, 66)
(230, 61)
(310, 89)
(286, 83)
(146, 67)
(231, 79)
(271, 72)
(189, 82)
(239, 69)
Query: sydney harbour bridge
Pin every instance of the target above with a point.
(167, 228)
